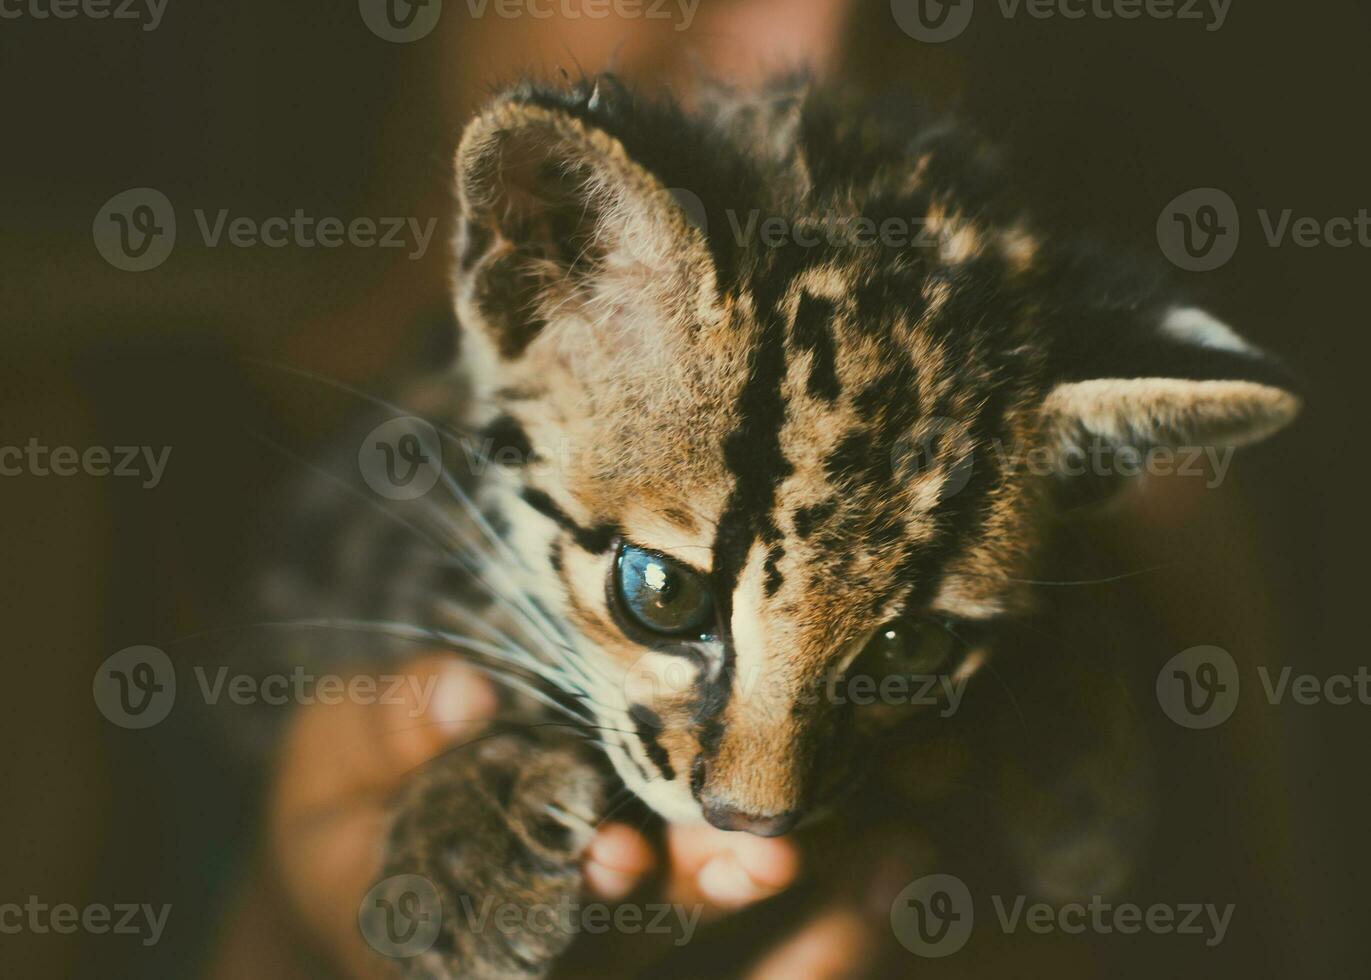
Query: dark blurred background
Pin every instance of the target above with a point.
(263, 108)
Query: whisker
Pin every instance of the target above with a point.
(366, 396)
(1098, 581)
(424, 536)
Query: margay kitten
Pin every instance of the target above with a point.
(721, 460)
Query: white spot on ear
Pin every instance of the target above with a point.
(1194, 326)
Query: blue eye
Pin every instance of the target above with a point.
(661, 595)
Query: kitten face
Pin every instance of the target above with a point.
(759, 477)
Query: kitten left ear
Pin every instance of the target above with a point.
(553, 208)
(1189, 381)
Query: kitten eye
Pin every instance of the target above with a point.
(661, 595)
(908, 648)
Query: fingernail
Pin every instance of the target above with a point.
(460, 699)
(724, 882)
(770, 863)
(607, 883)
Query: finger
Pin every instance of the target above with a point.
(618, 859)
(834, 944)
(335, 753)
(728, 870)
(339, 763)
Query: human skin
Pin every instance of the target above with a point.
(340, 764)
(295, 914)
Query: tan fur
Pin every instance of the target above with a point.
(629, 391)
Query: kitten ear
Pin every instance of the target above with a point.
(1186, 382)
(553, 211)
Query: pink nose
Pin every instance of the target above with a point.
(729, 818)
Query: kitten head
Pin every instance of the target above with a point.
(793, 388)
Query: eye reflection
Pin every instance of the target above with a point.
(908, 649)
(662, 595)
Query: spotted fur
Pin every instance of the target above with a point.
(808, 421)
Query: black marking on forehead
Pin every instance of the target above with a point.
(894, 395)
(595, 540)
(753, 454)
(813, 333)
(886, 291)
(806, 519)
(959, 516)
(854, 459)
